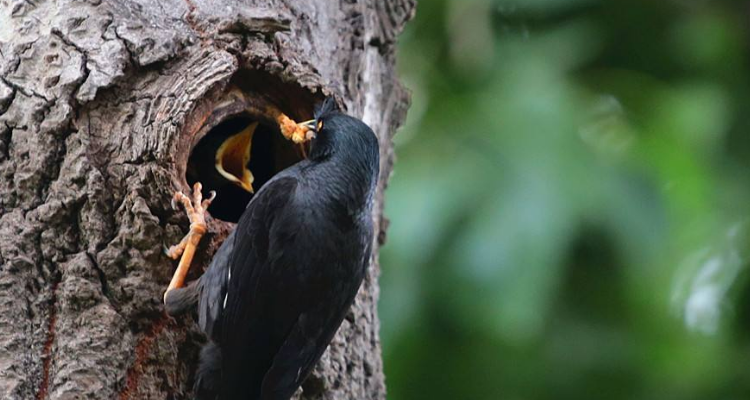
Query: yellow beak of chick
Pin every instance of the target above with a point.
(233, 156)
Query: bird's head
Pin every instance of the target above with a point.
(336, 133)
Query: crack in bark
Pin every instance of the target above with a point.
(15, 62)
(84, 62)
(25, 91)
(131, 56)
(6, 102)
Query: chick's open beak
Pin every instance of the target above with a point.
(233, 156)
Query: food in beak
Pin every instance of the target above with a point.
(296, 132)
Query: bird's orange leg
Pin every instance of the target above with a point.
(196, 210)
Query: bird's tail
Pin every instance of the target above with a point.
(208, 375)
(181, 300)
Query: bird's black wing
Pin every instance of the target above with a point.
(294, 276)
(253, 325)
(213, 288)
(308, 339)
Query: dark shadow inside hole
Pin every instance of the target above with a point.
(270, 153)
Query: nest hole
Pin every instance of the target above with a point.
(270, 153)
(230, 113)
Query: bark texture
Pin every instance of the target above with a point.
(100, 102)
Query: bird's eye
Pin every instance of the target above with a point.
(320, 125)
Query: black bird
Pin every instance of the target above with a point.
(279, 287)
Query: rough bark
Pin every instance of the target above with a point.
(99, 105)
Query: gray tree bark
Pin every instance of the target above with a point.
(100, 102)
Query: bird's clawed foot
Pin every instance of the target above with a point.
(196, 210)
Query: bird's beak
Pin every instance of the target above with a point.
(312, 128)
(233, 156)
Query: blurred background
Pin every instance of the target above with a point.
(570, 208)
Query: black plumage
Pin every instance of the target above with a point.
(279, 287)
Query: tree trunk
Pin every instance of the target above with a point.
(100, 103)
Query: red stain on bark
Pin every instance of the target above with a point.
(142, 350)
(41, 394)
(191, 20)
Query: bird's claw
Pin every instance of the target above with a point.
(195, 208)
(207, 202)
(174, 252)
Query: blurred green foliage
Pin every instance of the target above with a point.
(569, 209)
